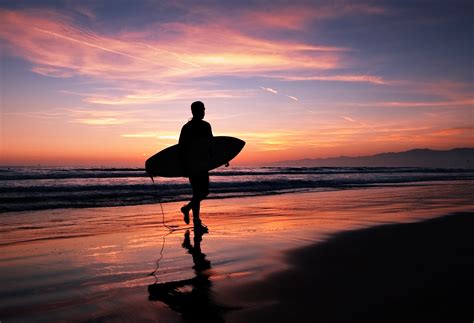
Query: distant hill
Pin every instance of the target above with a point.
(455, 158)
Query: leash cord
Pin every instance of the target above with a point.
(171, 228)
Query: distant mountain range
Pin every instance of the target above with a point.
(455, 158)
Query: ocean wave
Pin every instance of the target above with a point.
(39, 194)
(16, 174)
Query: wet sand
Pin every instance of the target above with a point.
(122, 264)
(416, 272)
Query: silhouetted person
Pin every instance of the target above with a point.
(195, 304)
(194, 142)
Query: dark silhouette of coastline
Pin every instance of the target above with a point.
(415, 272)
(462, 158)
(192, 298)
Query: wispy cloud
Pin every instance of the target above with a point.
(414, 104)
(269, 89)
(336, 135)
(457, 131)
(338, 78)
(157, 135)
(102, 121)
(183, 51)
(294, 98)
(353, 120)
(86, 43)
(298, 16)
(86, 116)
(164, 95)
(348, 119)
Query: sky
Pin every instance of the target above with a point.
(110, 83)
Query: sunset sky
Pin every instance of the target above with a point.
(109, 83)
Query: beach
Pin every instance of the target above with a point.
(415, 272)
(236, 161)
(287, 256)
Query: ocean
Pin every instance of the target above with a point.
(40, 188)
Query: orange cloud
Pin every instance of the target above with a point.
(84, 116)
(184, 52)
(153, 96)
(58, 48)
(460, 131)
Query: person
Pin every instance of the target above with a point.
(194, 143)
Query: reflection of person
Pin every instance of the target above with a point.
(200, 262)
(192, 298)
(194, 142)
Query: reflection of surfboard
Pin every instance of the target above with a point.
(167, 163)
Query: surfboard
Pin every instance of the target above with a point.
(169, 163)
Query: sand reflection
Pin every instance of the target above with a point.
(192, 298)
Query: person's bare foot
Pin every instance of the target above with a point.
(185, 211)
(199, 228)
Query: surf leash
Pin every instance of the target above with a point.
(159, 258)
(169, 227)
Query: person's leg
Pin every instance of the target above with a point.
(200, 185)
(191, 205)
(196, 184)
(186, 208)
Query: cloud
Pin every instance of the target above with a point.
(415, 104)
(85, 43)
(269, 89)
(152, 96)
(84, 116)
(458, 131)
(353, 121)
(158, 135)
(58, 47)
(103, 117)
(51, 114)
(294, 16)
(337, 78)
(102, 121)
(179, 56)
(276, 92)
(348, 119)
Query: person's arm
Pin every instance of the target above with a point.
(210, 132)
(181, 137)
(210, 135)
(182, 146)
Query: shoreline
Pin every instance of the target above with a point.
(216, 196)
(37, 190)
(62, 223)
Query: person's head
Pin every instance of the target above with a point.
(197, 108)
